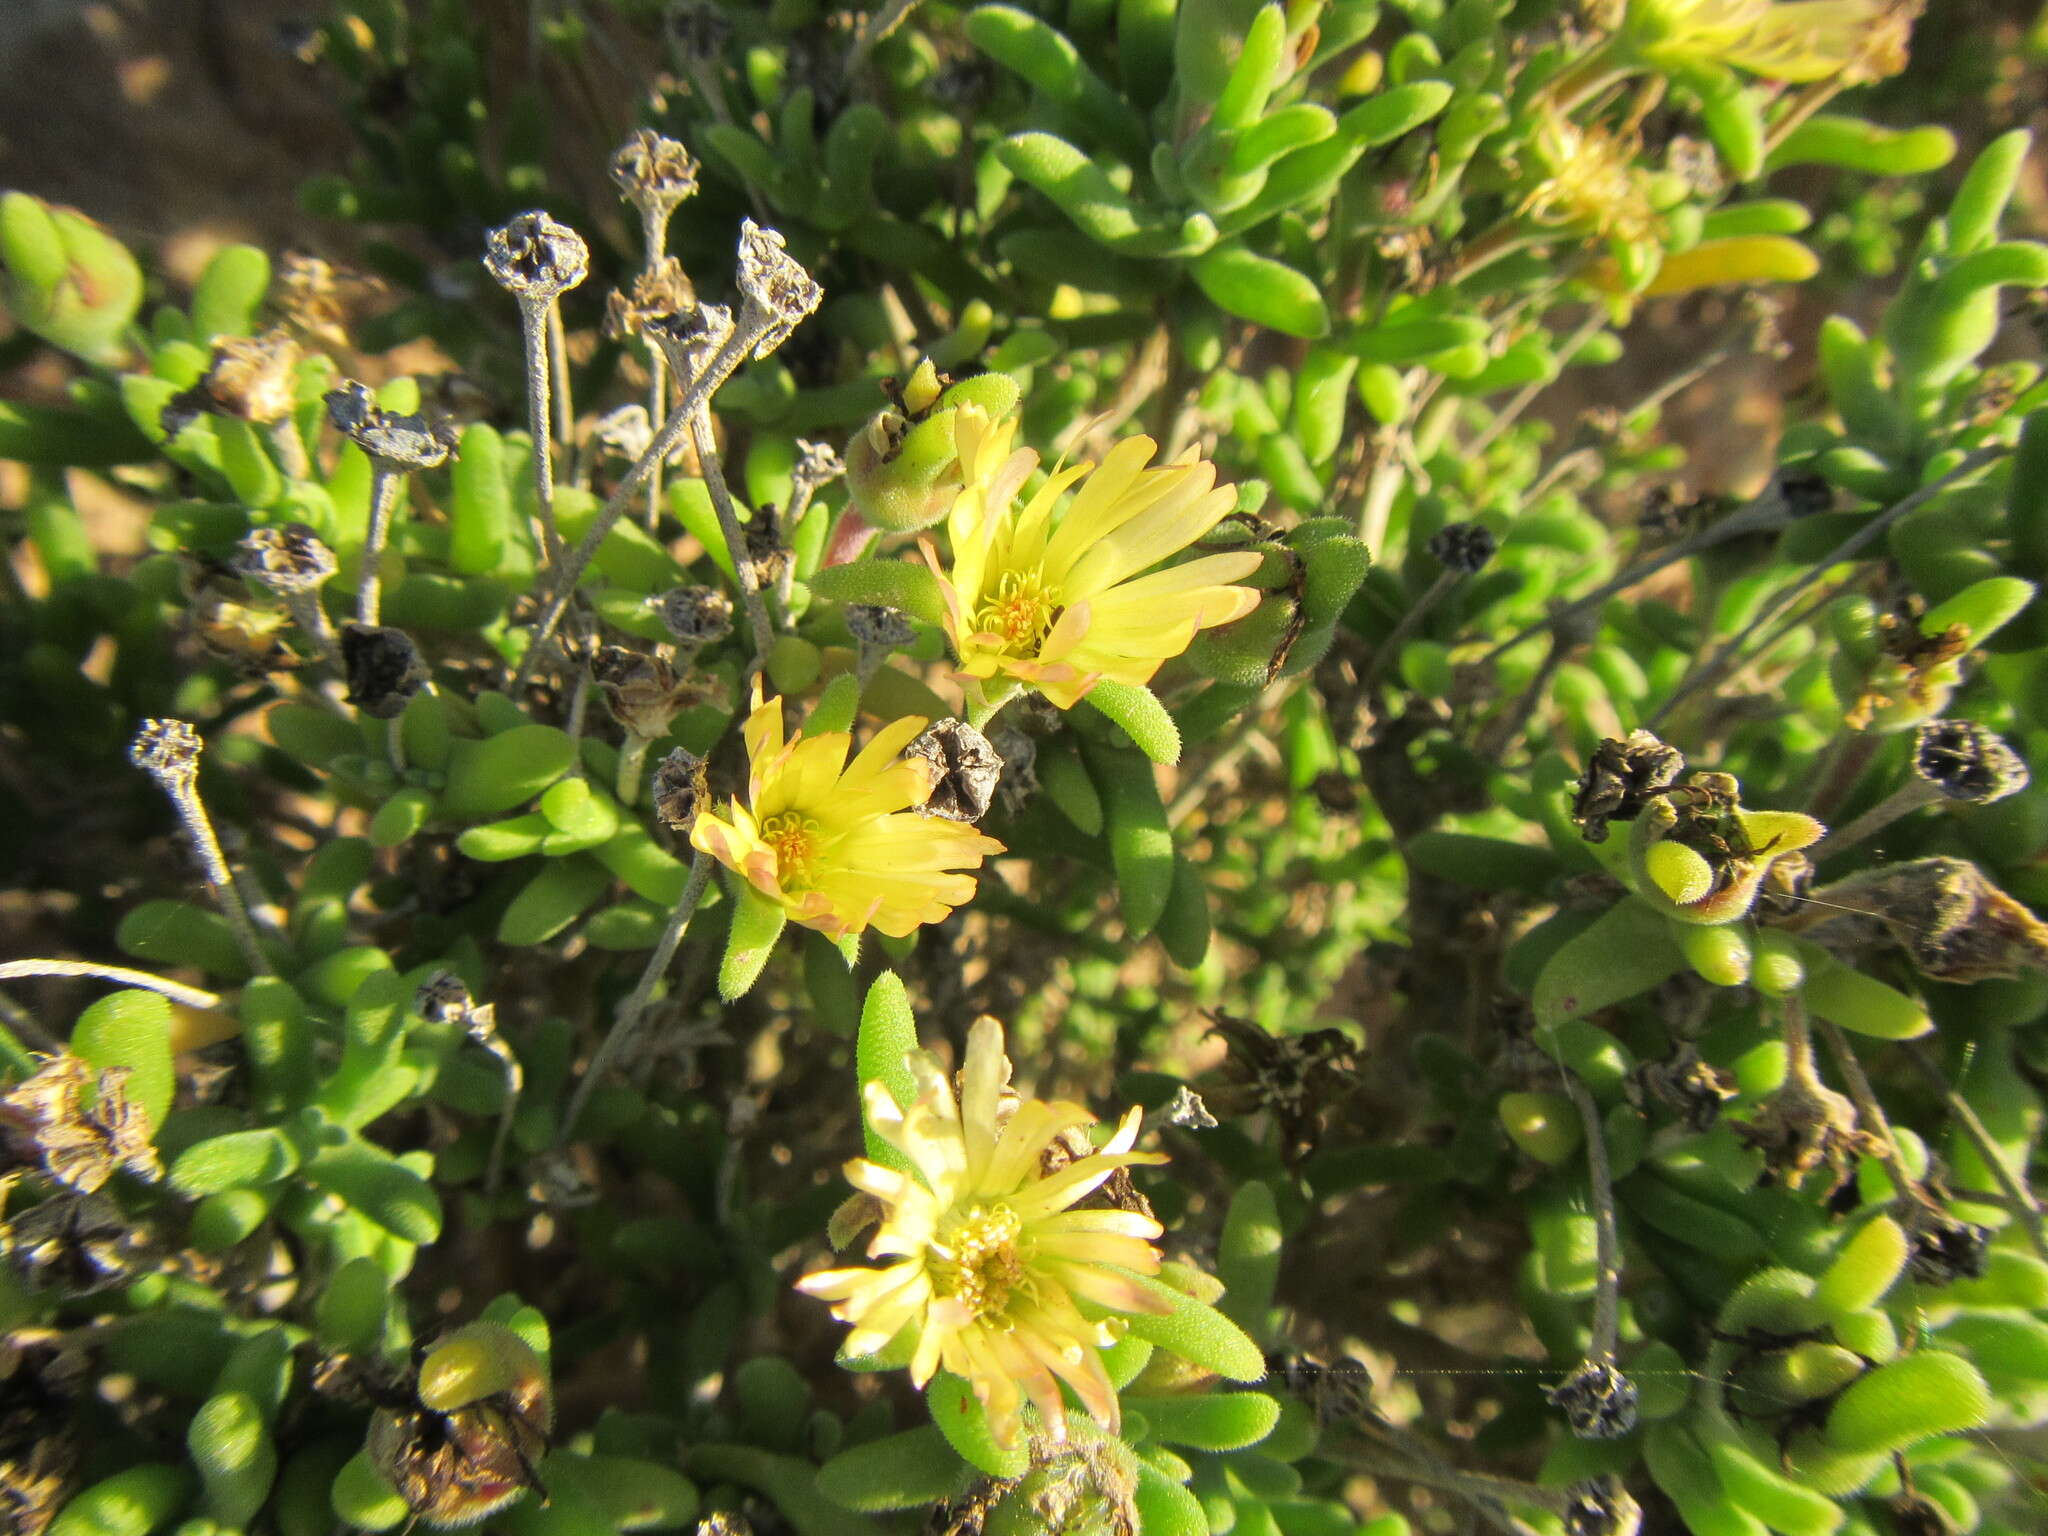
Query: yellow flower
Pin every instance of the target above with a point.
(838, 845)
(1592, 186)
(1799, 41)
(1053, 597)
(984, 1259)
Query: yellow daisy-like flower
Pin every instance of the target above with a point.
(1053, 597)
(985, 1259)
(1593, 184)
(1799, 41)
(840, 845)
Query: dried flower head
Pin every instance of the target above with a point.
(1805, 1126)
(641, 691)
(1601, 1506)
(654, 172)
(168, 751)
(1942, 1249)
(1946, 914)
(74, 1244)
(536, 259)
(817, 465)
(1688, 1084)
(1294, 1078)
(878, 624)
(1597, 1400)
(777, 289)
(1967, 763)
(697, 615)
(690, 338)
(384, 669)
(394, 438)
(287, 560)
(838, 844)
(1621, 777)
(1053, 595)
(462, 1440)
(625, 431)
(965, 770)
(1463, 547)
(444, 998)
(659, 292)
(251, 378)
(766, 551)
(984, 1255)
(78, 1125)
(682, 789)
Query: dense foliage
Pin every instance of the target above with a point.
(1068, 533)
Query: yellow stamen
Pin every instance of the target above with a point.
(795, 840)
(1021, 611)
(980, 1266)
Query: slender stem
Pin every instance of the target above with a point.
(1408, 623)
(384, 482)
(696, 395)
(394, 744)
(1979, 1135)
(785, 584)
(657, 395)
(735, 536)
(1607, 1247)
(1848, 549)
(1510, 413)
(289, 447)
(176, 991)
(515, 1085)
(558, 363)
(1872, 1114)
(1485, 1494)
(311, 617)
(632, 762)
(1380, 490)
(627, 1022)
(533, 326)
(1902, 801)
(199, 827)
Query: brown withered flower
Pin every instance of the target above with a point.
(1946, 914)
(1601, 1506)
(1598, 1402)
(250, 378)
(384, 669)
(1806, 1126)
(682, 788)
(658, 292)
(642, 691)
(1295, 1078)
(1942, 1248)
(1687, 1084)
(47, 1119)
(1620, 779)
(74, 1244)
(43, 1376)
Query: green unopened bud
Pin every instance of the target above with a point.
(1544, 1125)
(65, 278)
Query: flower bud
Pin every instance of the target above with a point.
(401, 441)
(287, 560)
(1965, 762)
(682, 788)
(536, 259)
(383, 667)
(964, 770)
(1598, 1401)
(1463, 547)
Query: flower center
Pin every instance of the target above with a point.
(1021, 611)
(794, 837)
(976, 1259)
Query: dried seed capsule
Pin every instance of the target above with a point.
(394, 438)
(535, 258)
(168, 751)
(80, 1146)
(697, 615)
(287, 560)
(1463, 547)
(775, 285)
(691, 338)
(1601, 1506)
(1803, 493)
(251, 378)
(659, 292)
(654, 172)
(641, 692)
(681, 789)
(964, 768)
(384, 668)
(1597, 1400)
(1966, 762)
(1945, 1249)
(625, 431)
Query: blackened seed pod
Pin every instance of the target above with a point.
(1944, 1248)
(168, 751)
(443, 998)
(766, 552)
(654, 172)
(681, 789)
(1804, 492)
(1601, 1506)
(697, 615)
(1965, 762)
(1597, 1400)
(965, 770)
(1620, 779)
(536, 258)
(641, 691)
(383, 667)
(878, 624)
(287, 560)
(1463, 547)
(403, 441)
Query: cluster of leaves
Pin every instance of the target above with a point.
(1530, 1198)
